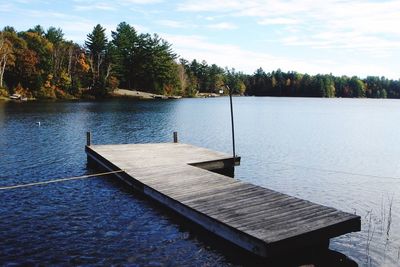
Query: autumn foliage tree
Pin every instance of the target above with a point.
(6, 56)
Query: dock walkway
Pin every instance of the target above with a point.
(257, 219)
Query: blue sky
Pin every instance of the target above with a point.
(342, 37)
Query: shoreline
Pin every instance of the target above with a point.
(140, 95)
(119, 93)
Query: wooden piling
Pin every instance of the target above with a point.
(175, 137)
(88, 138)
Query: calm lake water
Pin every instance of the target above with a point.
(343, 153)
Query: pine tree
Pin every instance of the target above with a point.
(96, 46)
(124, 49)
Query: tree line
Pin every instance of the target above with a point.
(41, 63)
(278, 83)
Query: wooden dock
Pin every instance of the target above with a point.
(182, 178)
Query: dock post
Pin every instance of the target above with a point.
(233, 126)
(90, 162)
(175, 137)
(88, 138)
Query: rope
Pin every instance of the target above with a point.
(333, 171)
(268, 162)
(59, 180)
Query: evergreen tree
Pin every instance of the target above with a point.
(96, 46)
(124, 49)
(37, 29)
(96, 43)
(54, 35)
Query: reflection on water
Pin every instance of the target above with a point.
(342, 153)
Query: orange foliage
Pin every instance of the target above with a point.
(29, 60)
(168, 89)
(22, 91)
(82, 64)
(113, 82)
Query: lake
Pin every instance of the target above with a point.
(343, 153)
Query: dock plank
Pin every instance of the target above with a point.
(257, 219)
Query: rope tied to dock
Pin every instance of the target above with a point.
(60, 180)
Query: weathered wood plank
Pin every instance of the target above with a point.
(255, 213)
(295, 216)
(227, 207)
(257, 219)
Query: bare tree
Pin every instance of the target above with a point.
(6, 53)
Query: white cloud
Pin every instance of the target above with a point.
(278, 21)
(223, 26)
(120, 2)
(199, 48)
(84, 5)
(46, 14)
(173, 23)
(140, 2)
(184, 24)
(351, 21)
(6, 7)
(209, 18)
(98, 6)
(209, 6)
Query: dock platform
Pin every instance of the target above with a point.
(187, 180)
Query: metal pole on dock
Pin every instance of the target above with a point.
(88, 138)
(233, 126)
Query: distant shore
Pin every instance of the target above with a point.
(145, 95)
(125, 93)
(132, 94)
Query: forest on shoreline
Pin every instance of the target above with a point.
(42, 64)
